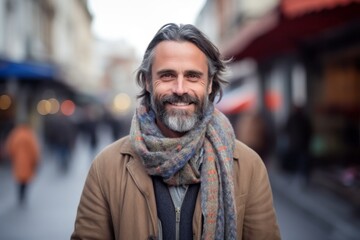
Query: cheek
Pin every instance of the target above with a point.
(157, 92)
(161, 88)
(203, 90)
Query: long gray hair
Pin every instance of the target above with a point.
(179, 33)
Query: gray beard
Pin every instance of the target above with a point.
(179, 120)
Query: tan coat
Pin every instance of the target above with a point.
(118, 200)
(23, 149)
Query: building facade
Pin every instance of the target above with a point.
(299, 54)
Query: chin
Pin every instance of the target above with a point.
(181, 122)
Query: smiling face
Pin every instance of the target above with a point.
(180, 86)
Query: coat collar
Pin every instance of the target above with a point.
(136, 168)
(237, 151)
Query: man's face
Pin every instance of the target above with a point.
(180, 85)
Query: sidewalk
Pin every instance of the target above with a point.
(332, 211)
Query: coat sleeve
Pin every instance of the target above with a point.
(93, 220)
(260, 219)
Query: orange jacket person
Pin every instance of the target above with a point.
(23, 149)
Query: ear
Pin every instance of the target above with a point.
(210, 86)
(147, 85)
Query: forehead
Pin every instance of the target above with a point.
(172, 54)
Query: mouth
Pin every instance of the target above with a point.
(179, 105)
(184, 102)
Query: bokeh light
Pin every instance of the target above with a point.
(121, 103)
(55, 106)
(5, 102)
(68, 107)
(44, 107)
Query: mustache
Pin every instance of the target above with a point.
(185, 98)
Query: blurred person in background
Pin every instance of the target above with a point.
(88, 126)
(180, 174)
(60, 136)
(298, 130)
(252, 129)
(117, 125)
(23, 149)
(92, 118)
(66, 139)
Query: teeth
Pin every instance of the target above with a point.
(180, 104)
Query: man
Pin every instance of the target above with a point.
(180, 174)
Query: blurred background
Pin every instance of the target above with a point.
(67, 72)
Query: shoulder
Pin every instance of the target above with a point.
(248, 166)
(115, 155)
(244, 153)
(121, 146)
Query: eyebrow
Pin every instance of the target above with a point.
(162, 71)
(194, 72)
(174, 72)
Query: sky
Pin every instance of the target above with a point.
(136, 21)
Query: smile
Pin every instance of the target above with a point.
(180, 104)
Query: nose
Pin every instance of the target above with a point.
(179, 87)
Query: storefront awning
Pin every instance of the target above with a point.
(27, 70)
(293, 8)
(272, 36)
(237, 104)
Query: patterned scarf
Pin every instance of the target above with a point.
(176, 161)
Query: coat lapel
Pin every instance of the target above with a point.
(144, 183)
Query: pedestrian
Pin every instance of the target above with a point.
(60, 136)
(298, 130)
(252, 129)
(180, 174)
(23, 149)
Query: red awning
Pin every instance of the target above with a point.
(293, 8)
(237, 100)
(244, 100)
(236, 105)
(282, 34)
(249, 32)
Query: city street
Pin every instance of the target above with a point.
(296, 224)
(53, 199)
(287, 73)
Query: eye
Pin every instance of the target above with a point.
(193, 76)
(167, 76)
